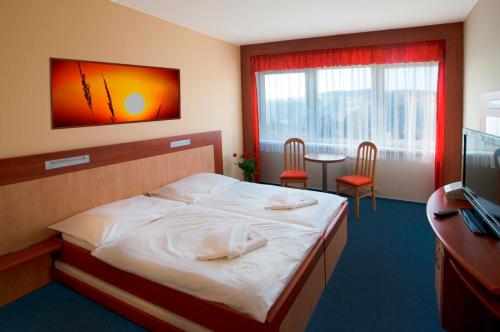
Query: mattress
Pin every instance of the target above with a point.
(78, 242)
(165, 252)
(251, 199)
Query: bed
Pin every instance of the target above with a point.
(165, 252)
(251, 199)
(120, 171)
(168, 285)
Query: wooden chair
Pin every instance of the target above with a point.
(364, 176)
(295, 164)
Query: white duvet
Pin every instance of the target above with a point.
(165, 252)
(251, 199)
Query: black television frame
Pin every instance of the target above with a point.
(489, 220)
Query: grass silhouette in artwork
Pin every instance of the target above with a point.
(159, 110)
(86, 90)
(110, 102)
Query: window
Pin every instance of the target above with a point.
(334, 109)
(285, 102)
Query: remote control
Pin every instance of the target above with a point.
(446, 213)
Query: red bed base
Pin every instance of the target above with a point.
(212, 315)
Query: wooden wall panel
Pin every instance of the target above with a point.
(32, 198)
(27, 168)
(160, 170)
(27, 208)
(14, 170)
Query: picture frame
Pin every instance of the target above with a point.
(91, 93)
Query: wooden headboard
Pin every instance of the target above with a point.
(32, 197)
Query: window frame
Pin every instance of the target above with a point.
(378, 102)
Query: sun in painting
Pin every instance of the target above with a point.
(134, 103)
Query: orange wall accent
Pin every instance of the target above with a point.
(33, 31)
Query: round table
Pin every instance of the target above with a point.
(324, 159)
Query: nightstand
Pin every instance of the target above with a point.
(26, 270)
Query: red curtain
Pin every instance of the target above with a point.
(440, 113)
(399, 53)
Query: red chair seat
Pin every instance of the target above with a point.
(355, 180)
(294, 174)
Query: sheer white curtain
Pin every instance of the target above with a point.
(334, 109)
(284, 99)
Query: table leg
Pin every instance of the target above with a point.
(325, 177)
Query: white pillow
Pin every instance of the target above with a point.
(111, 221)
(193, 187)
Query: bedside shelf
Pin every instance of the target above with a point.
(11, 260)
(26, 270)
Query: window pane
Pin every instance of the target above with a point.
(343, 101)
(334, 109)
(283, 108)
(410, 104)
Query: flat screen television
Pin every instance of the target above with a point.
(481, 176)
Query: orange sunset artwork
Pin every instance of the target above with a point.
(88, 93)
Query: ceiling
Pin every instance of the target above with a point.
(255, 21)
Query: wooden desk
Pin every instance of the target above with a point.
(324, 159)
(467, 271)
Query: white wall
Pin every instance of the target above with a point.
(481, 57)
(404, 180)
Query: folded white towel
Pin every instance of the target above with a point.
(253, 240)
(289, 201)
(216, 243)
(229, 241)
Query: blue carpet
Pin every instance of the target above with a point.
(57, 308)
(384, 281)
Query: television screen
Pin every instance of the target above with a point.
(87, 93)
(481, 174)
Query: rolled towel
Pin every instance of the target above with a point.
(229, 241)
(289, 201)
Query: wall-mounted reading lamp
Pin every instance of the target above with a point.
(65, 162)
(177, 144)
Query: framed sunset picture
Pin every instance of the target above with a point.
(88, 93)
